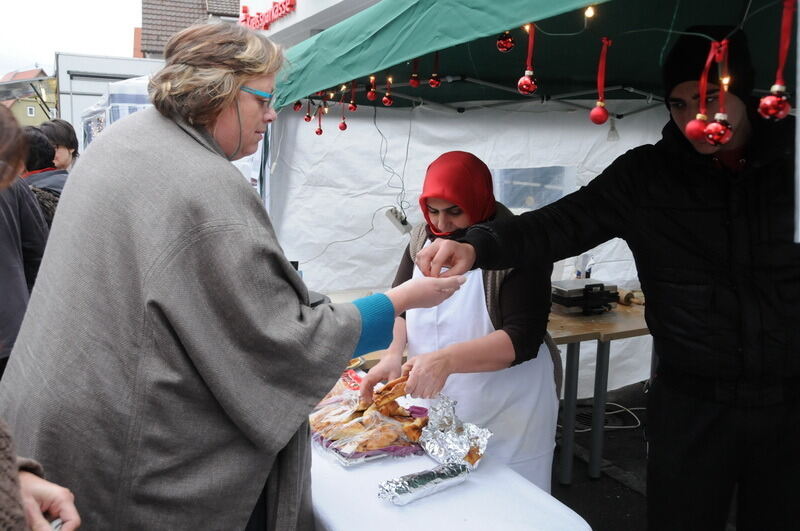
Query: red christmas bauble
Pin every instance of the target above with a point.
(505, 42)
(372, 95)
(695, 130)
(598, 115)
(342, 125)
(414, 81)
(718, 132)
(434, 81)
(387, 100)
(307, 117)
(297, 106)
(526, 85)
(352, 107)
(318, 131)
(774, 107)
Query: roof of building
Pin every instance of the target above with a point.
(25, 74)
(161, 19)
(223, 8)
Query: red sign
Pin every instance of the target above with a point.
(261, 21)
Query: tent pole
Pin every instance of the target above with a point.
(570, 95)
(491, 85)
(428, 103)
(641, 109)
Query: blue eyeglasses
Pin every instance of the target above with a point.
(260, 93)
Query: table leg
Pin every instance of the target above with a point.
(570, 401)
(599, 407)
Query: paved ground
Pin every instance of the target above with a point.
(616, 501)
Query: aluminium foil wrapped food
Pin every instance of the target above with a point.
(448, 440)
(410, 487)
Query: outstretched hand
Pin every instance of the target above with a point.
(40, 497)
(387, 369)
(423, 292)
(427, 374)
(441, 253)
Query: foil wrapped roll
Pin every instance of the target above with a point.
(448, 440)
(410, 487)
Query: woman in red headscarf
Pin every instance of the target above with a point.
(483, 347)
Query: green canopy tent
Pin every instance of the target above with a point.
(384, 39)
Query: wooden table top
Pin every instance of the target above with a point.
(619, 323)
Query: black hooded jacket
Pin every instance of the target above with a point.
(713, 250)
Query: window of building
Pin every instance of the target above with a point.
(31, 110)
(523, 189)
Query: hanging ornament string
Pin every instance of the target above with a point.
(434, 81)
(695, 129)
(307, 117)
(526, 84)
(387, 98)
(775, 106)
(352, 107)
(319, 120)
(414, 81)
(720, 131)
(786, 37)
(372, 94)
(342, 124)
(721, 57)
(599, 114)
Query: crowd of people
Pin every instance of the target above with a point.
(162, 369)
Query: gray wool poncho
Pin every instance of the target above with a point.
(168, 360)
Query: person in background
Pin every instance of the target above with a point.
(169, 358)
(23, 236)
(483, 346)
(45, 180)
(711, 231)
(40, 170)
(24, 496)
(62, 135)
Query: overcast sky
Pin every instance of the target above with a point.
(32, 31)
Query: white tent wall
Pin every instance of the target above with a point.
(334, 187)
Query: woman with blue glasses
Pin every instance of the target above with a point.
(169, 357)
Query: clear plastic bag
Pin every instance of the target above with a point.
(353, 432)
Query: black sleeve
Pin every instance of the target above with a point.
(582, 220)
(525, 307)
(33, 231)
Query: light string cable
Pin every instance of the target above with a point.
(371, 228)
(747, 16)
(383, 151)
(637, 422)
(571, 34)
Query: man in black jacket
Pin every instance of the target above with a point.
(711, 229)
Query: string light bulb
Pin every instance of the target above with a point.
(343, 88)
(527, 28)
(589, 13)
(726, 81)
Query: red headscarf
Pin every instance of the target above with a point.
(463, 179)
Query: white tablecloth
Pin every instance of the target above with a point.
(493, 497)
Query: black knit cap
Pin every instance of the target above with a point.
(687, 58)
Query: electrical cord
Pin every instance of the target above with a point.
(324, 249)
(621, 409)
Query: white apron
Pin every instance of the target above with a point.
(517, 404)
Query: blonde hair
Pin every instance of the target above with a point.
(206, 66)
